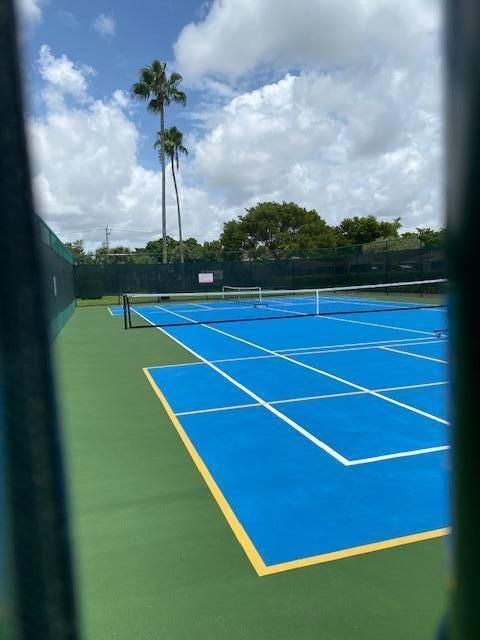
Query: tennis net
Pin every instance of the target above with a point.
(171, 309)
(242, 297)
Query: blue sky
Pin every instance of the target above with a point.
(139, 36)
(334, 105)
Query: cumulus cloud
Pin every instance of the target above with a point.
(30, 11)
(350, 121)
(356, 136)
(105, 25)
(86, 172)
(341, 143)
(236, 36)
(63, 78)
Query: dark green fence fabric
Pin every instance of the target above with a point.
(59, 278)
(387, 261)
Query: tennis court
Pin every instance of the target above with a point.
(321, 436)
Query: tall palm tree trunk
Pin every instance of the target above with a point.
(164, 210)
(180, 238)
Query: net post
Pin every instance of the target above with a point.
(124, 303)
(128, 312)
(317, 302)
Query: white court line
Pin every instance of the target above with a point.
(373, 324)
(271, 402)
(220, 308)
(372, 302)
(238, 306)
(319, 443)
(172, 366)
(201, 306)
(370, 324)
(413, 355)
(263, 307)
(311, 368)
(309, 398)
(298, 352)
(361, 344)
(327, 317)
(110, 311)
(184, 304)
(293, 313)
(401, 454)
(261, 401)
(232, 407)
(333, 377)
(311, 352)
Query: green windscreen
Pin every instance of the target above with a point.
(59, 285)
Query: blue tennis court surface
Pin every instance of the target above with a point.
(319, 437)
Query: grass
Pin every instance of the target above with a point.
(155, 557)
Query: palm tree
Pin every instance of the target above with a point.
(159, 91)
(173, 144)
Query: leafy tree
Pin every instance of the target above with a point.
(233, 237)
(107, 255)
(159, 90)
(213, 251)
(271, 227)
(362, 230)
(77, 249)
(173, 142)
(193, 250)
(431, 238)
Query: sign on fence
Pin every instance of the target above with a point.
(205, 278)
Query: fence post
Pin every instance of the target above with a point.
(421, 263)
(334, 282)
(357, 252)
(387, 263)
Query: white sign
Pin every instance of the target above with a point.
(205, 278)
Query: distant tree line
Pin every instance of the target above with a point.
(270, 230)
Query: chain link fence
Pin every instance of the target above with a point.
(386, 261)
(59, 278)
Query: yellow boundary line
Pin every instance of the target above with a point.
(246, 543)
(357, 551)
(227, 511)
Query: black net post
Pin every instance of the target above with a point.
(463, 223)
(124, 301)
(129, 314)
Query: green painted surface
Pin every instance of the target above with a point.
(155, 556)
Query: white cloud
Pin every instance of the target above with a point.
(30, 11)
(62, 78)
(105, 25)
(85, 169)
(342, 143)
(239, 35)
(354, 128)
(359, 136)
